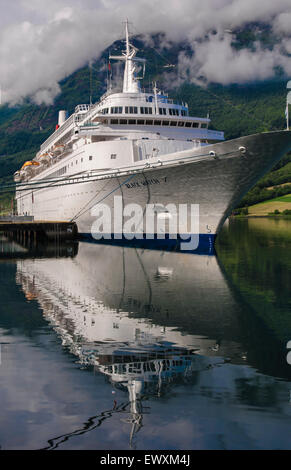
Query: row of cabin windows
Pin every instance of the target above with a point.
(156, 122)
(64, 169)
(142, 110)
(59, 172)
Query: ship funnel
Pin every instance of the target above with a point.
(62, 117)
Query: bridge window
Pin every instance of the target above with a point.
(174, 112)
(146, 110)
(130, 109)
(116, 110)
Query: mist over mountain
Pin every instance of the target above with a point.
(229, 41)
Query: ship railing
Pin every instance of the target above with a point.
(82, 108)
(144, 95)
(58, 133)
(89, 115)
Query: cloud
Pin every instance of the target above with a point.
(217, 61)
(42, 42)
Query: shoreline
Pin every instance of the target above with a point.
(266, 216)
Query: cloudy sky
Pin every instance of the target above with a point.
(42, 41)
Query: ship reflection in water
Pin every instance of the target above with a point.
(175, 339)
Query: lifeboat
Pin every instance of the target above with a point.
(58, 149)
(17, 176)
(28, 164)
(45, 158)
(28, 167)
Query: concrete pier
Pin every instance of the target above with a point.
(32, 231)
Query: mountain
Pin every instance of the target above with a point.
(236, 109)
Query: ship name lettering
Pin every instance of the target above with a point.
(147, 182)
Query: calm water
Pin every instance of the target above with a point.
(107, 347)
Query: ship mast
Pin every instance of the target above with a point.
(130, 81)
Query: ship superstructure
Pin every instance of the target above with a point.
(147, 149)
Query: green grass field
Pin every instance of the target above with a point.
(264, 208)
(286, 198)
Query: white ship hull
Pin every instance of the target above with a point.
(215, 177)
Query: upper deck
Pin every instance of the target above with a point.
(129, 114)
(132, 109)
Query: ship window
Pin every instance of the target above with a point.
(132, 121)
(204, 125)
(114, 121)
(113, 156)
(183, 112)
(181, 123)
(149, 122)
(173, 123)
(116, 110)
(104, 111)
(123, 121)
(59, 172)
(163, 111)
(174, 112)
(130, 109)
(140, 121)
(165, 123)
(188, 124)
(158, 123)
(195, 124)
(90, 158)
(146, 110)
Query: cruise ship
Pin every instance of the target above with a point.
(142, 149)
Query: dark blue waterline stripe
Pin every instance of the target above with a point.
(205, 246)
